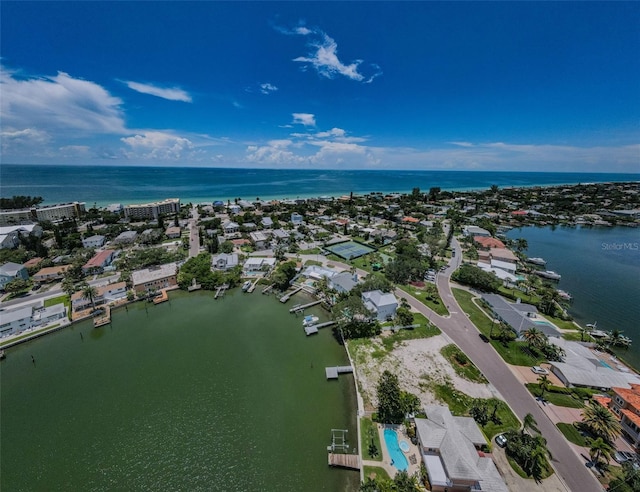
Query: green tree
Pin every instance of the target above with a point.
(545, 384)
(601, 422)
(226, 247)
(390, 409)
(17, 285)
(68, 285)
(89, 293)
(534, 337)
(599, 450)
(529, 423)
(404, 317)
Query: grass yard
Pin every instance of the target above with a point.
(429, 298)
(462, 364)
(370, 440)
(571, 433)
(63, 299)
(425, 330)
(376, 472)
(560, 397)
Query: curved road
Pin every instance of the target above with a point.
(458, 327)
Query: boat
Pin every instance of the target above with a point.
(310, 320)
(550, 274)
(246, 285)
(565, 295)
(537, 261)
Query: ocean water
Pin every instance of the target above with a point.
(102, 185)
(600, 268)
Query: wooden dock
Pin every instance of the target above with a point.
(105, 319)
(253, 286)
(302, 307)
(333, 372)
(288, 296)
(342, 460)
(313, 329)
(268, 288)
(221, 290)
(163, 297)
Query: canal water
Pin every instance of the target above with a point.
(192, 394)
(600, 268)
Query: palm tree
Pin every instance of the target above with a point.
(90, 293)
(601, 422)
(529, 423)
(534, 337)
(599, 449)
(539, 458)
(544, 383)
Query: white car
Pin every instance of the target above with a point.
(539, 370)
(501, 440)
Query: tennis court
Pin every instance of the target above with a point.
(349, 250)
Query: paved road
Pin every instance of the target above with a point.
(568, 465)
(194, 233)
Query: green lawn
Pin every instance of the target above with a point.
(63, 299)
(369, 434)
(376, 472)
(515, 294)
(430, 299)
(571, 433)
(557, 396)
(515, 353)
(425, 330)
(461, 364)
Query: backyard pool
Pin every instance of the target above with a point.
(398, 458)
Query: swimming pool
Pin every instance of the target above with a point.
(404, 446)
(397, 456)
(604, 364)
(544, 323)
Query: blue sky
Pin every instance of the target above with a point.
(550, 86)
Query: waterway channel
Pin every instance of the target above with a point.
(192, 394)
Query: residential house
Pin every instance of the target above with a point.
(281, 235)
(173, 232)
(518, 316)
(47, 315)
(50, 274)
(473, 231)
(259, 239)
(224, 261)
(503, 254)
(22, 230)
(266, 222)
(343, 282)
(230, 227)
(257, 265)
(487, 243)
(11, 271)
(625, 403)
(234, 209)
(95, 241)
(104, 295)
(9, 241)
(297, 219)
(99, 261)
(155, 278)
(15, 321)
(249, 226)
(127, 237)
(383, 305)
(451, 451)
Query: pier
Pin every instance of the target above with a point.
(220, 291)
(351, 461)
(313, 329)
(288, 296)
(252, 287)
(267, 289)
(105, 319)
(301, 307)
(163, 297)
(333, 372)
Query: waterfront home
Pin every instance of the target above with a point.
(99, 261)
(234, 209)
(505, 275)
(49, 274)
(503, 254)
(47, 315)
(472, 230)
(95, 241)
(15, 321)
(104, 295)
(582, 368)
(230, 227)
(153, 210)
(625, 404)
(382, 305)
(11, 271)
(451, 452)
(224, 261)
(343, 282)
(257, 265)
(518, 316)
(487, 243)
(155, 278)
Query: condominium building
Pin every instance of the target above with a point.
(152, 210)
(62, 211)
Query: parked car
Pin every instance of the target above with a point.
(539, 370)
(484, 338)
(624, 456)
(501, 440)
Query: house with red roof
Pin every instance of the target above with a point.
(625, 403)
(488, 242)
(99, 261)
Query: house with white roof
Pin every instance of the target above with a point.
(382, 305)
(257, 265)
(472, 230)
(259, 239)
(450, 448)
(9, 240)
(47, 315)
(266, 222)
(230, 227)
(95, 241)
(343, 282)
(297, 219)
(15, 321)
(224, 261)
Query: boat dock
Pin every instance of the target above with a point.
(105, 319)
(313, 329)
(252, 287)
(301, 307)
(333, 372)
(163, 297)
(342, 460)
(268, 288)
(288, 296)
(221, 290)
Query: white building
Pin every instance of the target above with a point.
(47, 315)
(153, 210)
(95, 241)
(63, 211)
(297, 219)
(472, 230)
(224, 261)
(255, 265)
(259, 239)
(15, 321)
(230, 227)
(383, 305)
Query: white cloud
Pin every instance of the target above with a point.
(323, 56)
(58, 104)
(170, 93)
(157, 145)
(267, 88)
(71, 151)
(306, 119)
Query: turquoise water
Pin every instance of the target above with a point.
(103, 185)
(192, 394)
(404, 446)
(396, 454)
(604, 364)
(544, 323)
(601, 274)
